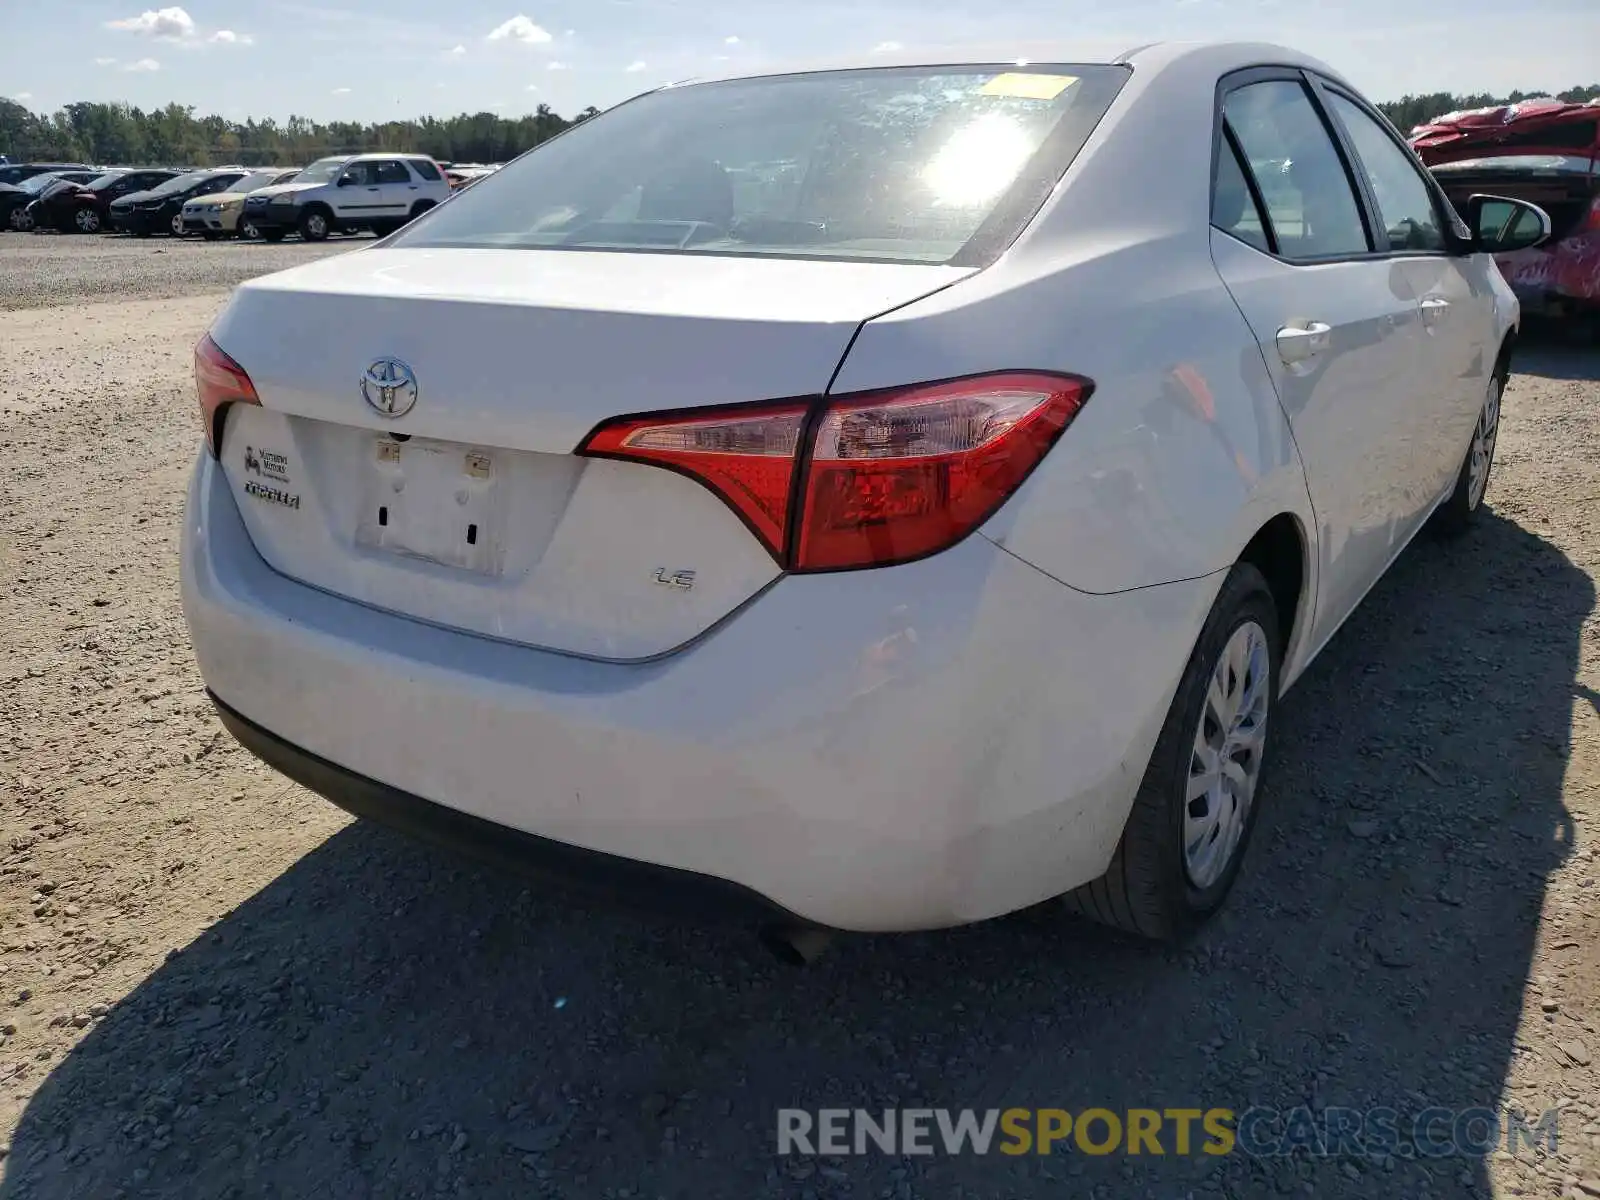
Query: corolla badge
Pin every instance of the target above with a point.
(390, 387)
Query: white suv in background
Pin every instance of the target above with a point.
(348, 193)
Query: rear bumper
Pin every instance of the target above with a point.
(645, 884)
(907, 748)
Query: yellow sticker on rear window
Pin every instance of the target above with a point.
(1026, 86)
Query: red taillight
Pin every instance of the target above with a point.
(219, 381)
(1591, 221)
(746, 455)
(888, 476)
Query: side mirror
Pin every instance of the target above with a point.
(345, 181)
(1500, 224)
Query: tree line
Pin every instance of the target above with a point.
(125, 134)
(1410, 111)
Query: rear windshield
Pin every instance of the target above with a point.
(898, 165)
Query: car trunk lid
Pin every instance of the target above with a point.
(468, 507)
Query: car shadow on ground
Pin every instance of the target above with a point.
(387, 1020)
(1559, 350)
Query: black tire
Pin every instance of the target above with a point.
(420, 207)
(315, 225)
(85, 220)
(274, 235)
(19, 221)
(1460, 512)
(248, 230)
(175, 226)
(1147, 890)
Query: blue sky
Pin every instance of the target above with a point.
(370, 59)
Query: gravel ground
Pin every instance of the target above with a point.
(58, 268)
(212, 983)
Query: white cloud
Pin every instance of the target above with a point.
(520, 29)
(887, 47)
(635, 67)
(731, 40)
(533, 87)
(143, 64)
(341, 91)
(104, 62)
(21, 96)
(457, 51)
(228, 37)
(170, 24)
(555, 66)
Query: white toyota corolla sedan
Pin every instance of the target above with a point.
(885, 498)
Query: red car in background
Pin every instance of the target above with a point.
(1545, 152)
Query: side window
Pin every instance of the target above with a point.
(1405, 204)
(1233, 209)
(390, 171)
(1310, 201)
(426, 169)
(359, 174)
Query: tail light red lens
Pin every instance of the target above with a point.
(219, 382)
(864, 480)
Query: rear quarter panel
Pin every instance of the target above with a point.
(1181, 454)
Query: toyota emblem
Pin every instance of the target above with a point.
(390, 387)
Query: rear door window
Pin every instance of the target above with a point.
(390, 171)
(1310, 200)
(1233, 208)
(426, 169)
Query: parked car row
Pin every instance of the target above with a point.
(349, 193)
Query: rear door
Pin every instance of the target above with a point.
(397, 189)
(1455, 291)
(1338, 324)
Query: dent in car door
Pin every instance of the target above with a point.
(1338, 328)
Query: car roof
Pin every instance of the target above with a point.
(1225, 57)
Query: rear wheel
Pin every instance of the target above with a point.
(420, 207)
(1196, 807)
(1457, 513)
(249, 230)
(86, 220)
(314, 225)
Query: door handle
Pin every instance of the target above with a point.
(1297, 343)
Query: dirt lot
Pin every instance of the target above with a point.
(211, 983)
